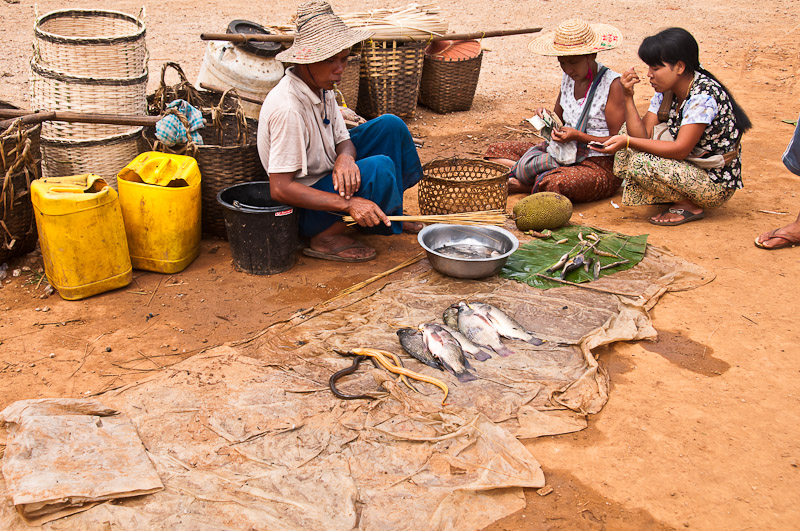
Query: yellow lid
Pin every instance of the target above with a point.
(56, 196)
(161, 169)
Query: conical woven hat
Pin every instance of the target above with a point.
(320, 35)
(577, 37)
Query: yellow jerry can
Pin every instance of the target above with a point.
(81, 234)
(160, 198)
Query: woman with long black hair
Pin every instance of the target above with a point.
(691, 160)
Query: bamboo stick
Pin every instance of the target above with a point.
(356, 287)
(486, 217)
(243, 37)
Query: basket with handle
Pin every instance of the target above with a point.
(228, 156)
(19, 165)
(91, 42)
(183, 90)
(390, 76)
(450, 186)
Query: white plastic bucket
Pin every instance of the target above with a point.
(225, 66)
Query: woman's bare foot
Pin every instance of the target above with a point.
(787, 236)
(412, 226)
(516, 187)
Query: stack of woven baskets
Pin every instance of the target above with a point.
(89, 61)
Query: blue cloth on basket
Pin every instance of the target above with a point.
(389, 165)
(170, 130)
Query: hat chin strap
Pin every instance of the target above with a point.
(325, 120)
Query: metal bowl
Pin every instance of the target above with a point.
(434, 237)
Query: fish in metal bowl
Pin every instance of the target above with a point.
(467, 251)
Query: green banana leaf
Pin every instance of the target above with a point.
(535, 257)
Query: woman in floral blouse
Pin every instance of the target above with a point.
(691, 161)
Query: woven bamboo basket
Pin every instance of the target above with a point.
(449, 85)
(103, 156)
(450, 186)
(390, 76)
(228, 156)
(347, 94)
(54, 91)
(91, 42)
(20, 164)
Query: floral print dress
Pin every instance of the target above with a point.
(650, 179)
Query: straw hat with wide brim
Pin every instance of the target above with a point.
(320, 35)
(577, 37)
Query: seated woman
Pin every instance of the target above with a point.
(590, 104)
(314, 163)
(698, 165)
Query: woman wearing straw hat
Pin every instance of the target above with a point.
(590, 104)
(691, 161)
(314, 163)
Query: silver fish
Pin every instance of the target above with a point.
(414, 344)
(596, 269)
(468, 346)
(505, 325)
(450, 316)
(468, 251)
(479, 329)
(447, 350)
(558, 265)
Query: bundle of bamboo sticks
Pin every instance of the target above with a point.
(419, 21)
(484, 217)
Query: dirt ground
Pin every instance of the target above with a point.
(701, 428)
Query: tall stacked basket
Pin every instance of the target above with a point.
(90, 61)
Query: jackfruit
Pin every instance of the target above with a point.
(542, 210)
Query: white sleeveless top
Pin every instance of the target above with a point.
(597, 125)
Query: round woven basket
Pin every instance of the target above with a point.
(91, 42)
(448, 85)
(450, 186)
(53, 90)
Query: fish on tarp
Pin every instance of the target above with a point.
(505, 325)
(480, 330)
(468, 346)
(450, 316)
(413, 343)
(447, 350)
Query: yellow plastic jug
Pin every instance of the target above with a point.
(159, 194)
(81, 234)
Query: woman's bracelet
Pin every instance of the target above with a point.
(628, 142)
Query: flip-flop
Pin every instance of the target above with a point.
(687, 217)
(333, 255)
(787, 241)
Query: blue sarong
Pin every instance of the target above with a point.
(791, 158)
(389, 165)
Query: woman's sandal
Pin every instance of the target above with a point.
(687, 217)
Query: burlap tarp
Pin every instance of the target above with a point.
(249, 436)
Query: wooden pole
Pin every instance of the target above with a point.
(245, 37)
(30, 117)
